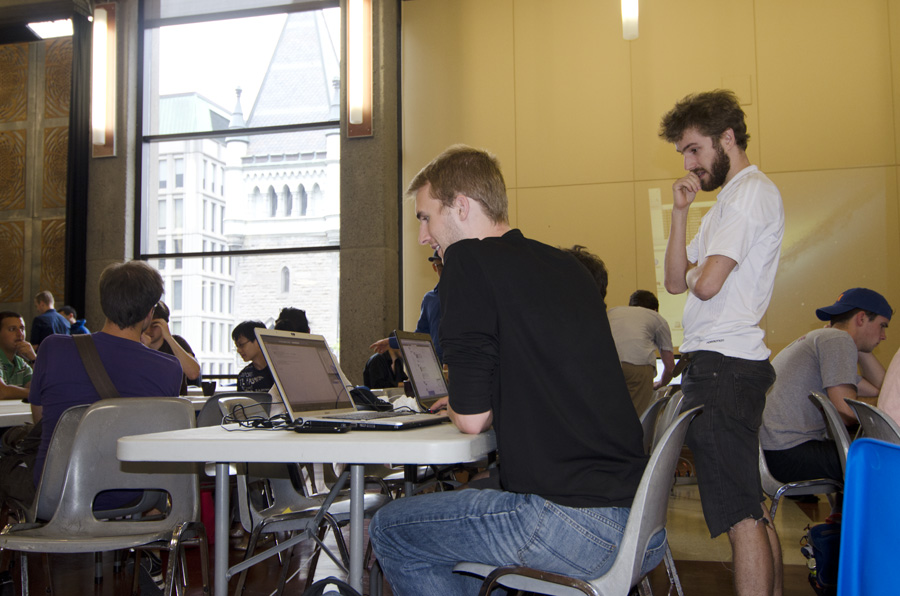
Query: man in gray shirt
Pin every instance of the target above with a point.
(639, 332)
(824, 360)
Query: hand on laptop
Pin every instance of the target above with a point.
(440, 406)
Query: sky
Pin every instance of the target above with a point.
(216, 57)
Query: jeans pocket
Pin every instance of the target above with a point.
(572, 541)
(749, 397)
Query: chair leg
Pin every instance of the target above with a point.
(285, 566)
(204, 558)
(137, 571)
(45, 558)
(251, 548)
(314, 559)
(375, 579)
(98, 568)
(674, 580)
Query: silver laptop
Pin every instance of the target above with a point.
(313, 387)
(423, 367)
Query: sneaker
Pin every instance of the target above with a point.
(151, 579)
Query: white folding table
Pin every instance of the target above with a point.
(13, 412)
(442, 444)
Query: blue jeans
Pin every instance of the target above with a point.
(418, 540)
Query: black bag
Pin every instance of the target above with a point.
(336, 585)
(18, 450)
(821, 546)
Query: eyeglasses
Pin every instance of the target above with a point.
(241, 345)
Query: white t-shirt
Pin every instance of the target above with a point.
(746, 225)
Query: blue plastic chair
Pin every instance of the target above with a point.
(871, 521)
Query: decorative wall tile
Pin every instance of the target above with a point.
(56, 151)
(12, 274)
(13, 82)
(53, 252)
(12, 166)
(58, 77)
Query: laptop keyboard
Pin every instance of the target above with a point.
(368, 415)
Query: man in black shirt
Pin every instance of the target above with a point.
(529, 351)
(256, 376)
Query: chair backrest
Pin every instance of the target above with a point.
(94, 468)
(770, 485)
(668, 414)
(54, 473)
(875, 424)
(868, 525)
(211, 414)
(242, 407)
(648, 510)
(648, 420)
(835, 425)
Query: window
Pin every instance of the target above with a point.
(163, 214)
(163, 173)
(162, 251)
(179, 173)
(192, 108)
(176, 295)
(178, 205)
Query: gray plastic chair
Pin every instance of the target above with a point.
(836, 427)
(648, 516)
(648, 420)
(93, 468)
(667, 415)
(874, 423)
(211, 415)
(265, 491)
(775, 489)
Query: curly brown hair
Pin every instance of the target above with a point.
(710, 112)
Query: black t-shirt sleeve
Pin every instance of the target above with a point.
(469, 332)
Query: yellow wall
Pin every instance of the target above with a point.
(572, 111)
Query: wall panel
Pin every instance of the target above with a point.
(825, 86)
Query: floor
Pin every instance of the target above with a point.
(704, 565)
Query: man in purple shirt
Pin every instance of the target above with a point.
(128, 294)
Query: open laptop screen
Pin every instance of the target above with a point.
(423, 366)
(305, 371)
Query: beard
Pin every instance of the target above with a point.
(719, 171)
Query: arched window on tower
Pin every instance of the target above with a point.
(301, 192)
(285, 280)
(288, 200)
(273, 202)
(316, 198)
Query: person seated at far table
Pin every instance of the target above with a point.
(292, 319)
(256, 376)
(793, 432)
(640, 331)
(159, 337)
(76, 326)
(48, 321)
(15, 355)
(384, 370)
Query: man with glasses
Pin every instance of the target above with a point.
(256, 376)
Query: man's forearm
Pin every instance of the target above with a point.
(676, 265)
(871, 369)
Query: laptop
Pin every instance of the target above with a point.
(313, 386)
(423, 367)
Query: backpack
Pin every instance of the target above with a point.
(821, 546)
(18, 450)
